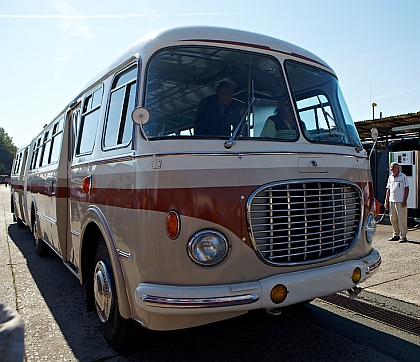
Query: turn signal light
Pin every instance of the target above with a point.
(87, 185)
(356, 276)
(278, 294)
(173, 224)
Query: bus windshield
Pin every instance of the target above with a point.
(321, 108)
(214, 92)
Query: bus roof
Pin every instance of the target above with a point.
(208, 35)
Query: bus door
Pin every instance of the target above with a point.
(73, 235)
(49, 199)
(84, 124)
(25, 210)
(18, 188)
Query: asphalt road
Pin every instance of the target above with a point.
(58, 328)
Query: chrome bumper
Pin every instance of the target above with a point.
(302, 286)
(163, 302)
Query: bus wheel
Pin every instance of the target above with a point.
(40, 247)
(117, 331)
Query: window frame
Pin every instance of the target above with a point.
(239, 61)
(87, 102)
(124, 116)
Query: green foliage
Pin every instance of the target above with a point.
(7, 152)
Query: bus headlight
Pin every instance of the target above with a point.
(208, 247)
(370, 228)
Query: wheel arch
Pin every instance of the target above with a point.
(94, 225)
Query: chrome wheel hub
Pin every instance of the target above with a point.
(102, 288)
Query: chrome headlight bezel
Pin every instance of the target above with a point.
(370, 228)
(208, 247)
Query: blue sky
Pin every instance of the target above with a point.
(51, 48)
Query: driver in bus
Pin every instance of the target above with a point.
(281, 124)
(216, 114)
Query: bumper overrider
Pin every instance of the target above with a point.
(300, 286)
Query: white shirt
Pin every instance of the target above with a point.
(396, 186)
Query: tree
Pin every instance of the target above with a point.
(7, 152)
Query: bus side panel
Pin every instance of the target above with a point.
(18, 184)
(47, 189)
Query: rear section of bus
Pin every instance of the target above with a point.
(18, 187)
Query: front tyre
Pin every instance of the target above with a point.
(117, 331)
(41, 248)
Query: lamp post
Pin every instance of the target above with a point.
(373, 110)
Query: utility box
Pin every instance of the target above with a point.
(408, 161)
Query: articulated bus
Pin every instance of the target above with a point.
(175, 216)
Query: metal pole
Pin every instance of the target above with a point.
(373, 110)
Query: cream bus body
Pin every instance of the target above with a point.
(18, 187)
(173, 229)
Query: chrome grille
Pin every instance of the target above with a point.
(304, 222)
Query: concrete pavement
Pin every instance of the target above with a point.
(398, 279)
(51, 301)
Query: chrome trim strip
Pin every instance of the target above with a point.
(249, 153)
(372, 268)
(124, 255)
(74, 272)
(106, 160)
(130, 156)
(163, 302)
(51, 220)
(75, 233)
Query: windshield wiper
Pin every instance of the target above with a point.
(327, 115)
(239, 128)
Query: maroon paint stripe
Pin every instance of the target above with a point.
(220, 205)
(251, 45)
(225, 206)
(257, 46)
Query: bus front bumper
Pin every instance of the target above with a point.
(301, 286)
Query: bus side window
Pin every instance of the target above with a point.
(118, 127)
(37, 146)
(17, 163)
(74, 131)
(45, 152)
(56, 138)
(89, 122)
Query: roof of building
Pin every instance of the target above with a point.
(397, 127)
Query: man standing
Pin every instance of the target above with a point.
(396, 202)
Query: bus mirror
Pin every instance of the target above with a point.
(140, 115)
(374, 133)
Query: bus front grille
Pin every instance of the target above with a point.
(294, 223)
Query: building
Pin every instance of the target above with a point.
(398, 140)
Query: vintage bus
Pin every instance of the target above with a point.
(3, 179)
(174, 215)
(17, 179)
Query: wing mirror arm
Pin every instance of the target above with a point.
(374, 134)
